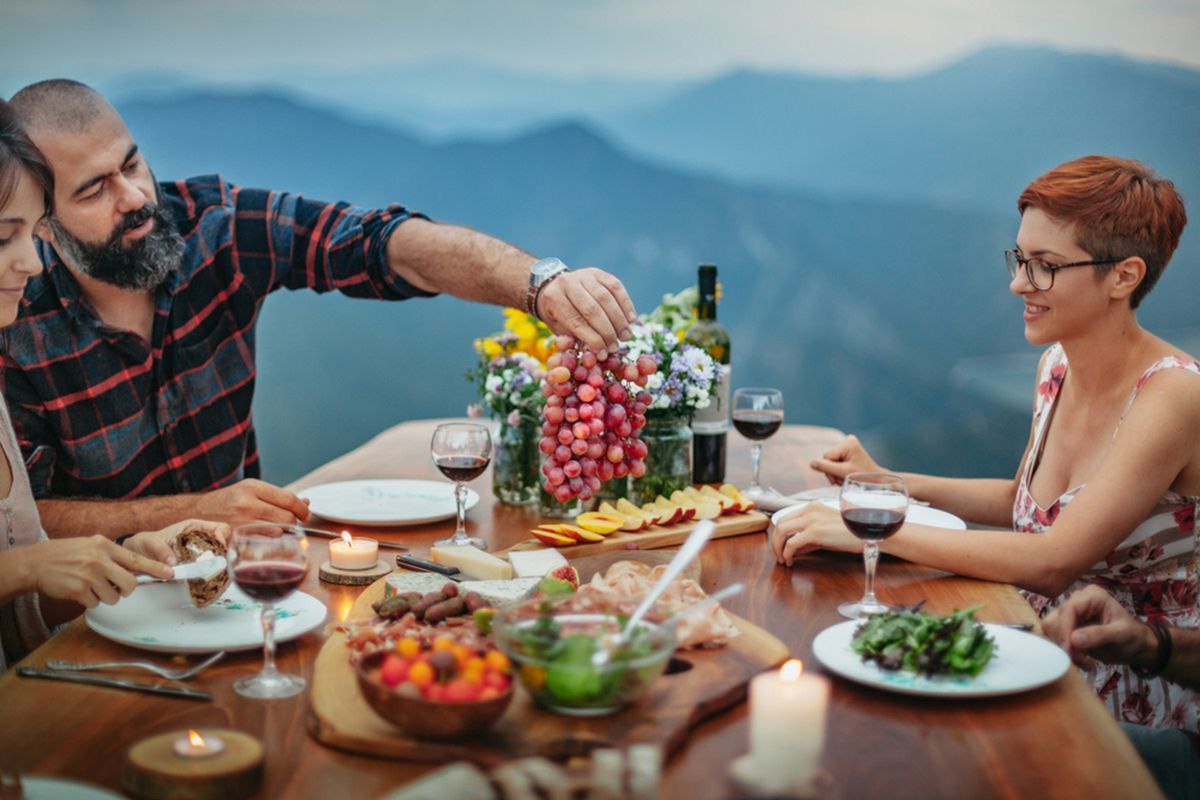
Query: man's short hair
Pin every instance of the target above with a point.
(58, 104)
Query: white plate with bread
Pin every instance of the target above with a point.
(162, 617)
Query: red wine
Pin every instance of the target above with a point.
(873, 523)
(462, 468)
(757, 425)
(268, 581)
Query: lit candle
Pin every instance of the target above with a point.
(193, 745)
(787, 727)
(353, 553)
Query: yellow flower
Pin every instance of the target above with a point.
(489, 347)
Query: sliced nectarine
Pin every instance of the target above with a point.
(600, 523)
(551, 538)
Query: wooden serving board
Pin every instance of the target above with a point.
(709, 681)
(654, 537)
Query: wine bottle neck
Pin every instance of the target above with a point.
(706, 304)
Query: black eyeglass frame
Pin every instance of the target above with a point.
(1013, 259)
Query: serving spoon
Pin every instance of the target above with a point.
(691, 548)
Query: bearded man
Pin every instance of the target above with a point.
(130, 371)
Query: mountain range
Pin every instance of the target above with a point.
(857, 300)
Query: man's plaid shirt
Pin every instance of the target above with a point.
(100, 414)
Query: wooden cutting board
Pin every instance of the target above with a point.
(707, 681)
(655, 536)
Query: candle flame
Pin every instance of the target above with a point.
(791, 670)
(346, 538)
(195, 739)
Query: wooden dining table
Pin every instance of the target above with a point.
(1057, 741)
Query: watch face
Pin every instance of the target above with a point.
(546, 267)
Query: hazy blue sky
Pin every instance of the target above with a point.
(249, 40)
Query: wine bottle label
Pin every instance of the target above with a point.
(714, 418)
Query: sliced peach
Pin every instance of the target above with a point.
(600, 523)
(551, 538)
(577, 533)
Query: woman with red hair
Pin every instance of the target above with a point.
(1109, 485)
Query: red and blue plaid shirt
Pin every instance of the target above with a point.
(99, 413)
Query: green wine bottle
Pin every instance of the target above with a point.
(710, 426)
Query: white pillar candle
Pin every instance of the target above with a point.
(787, 726)
(353, 553)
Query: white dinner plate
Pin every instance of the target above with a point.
(1021, 662)
(917, 514)
(161, 617)
(384, 502)
(60, 789)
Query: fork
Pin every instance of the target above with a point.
(165, 672)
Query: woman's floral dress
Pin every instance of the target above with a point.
(1152, 573)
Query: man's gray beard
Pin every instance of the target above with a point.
(144, 266)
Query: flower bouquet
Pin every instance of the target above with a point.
(508, 377)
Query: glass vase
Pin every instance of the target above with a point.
(548, 506)
(516, 461)
(668, 460)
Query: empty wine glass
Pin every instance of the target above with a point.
(462, 451)
(874, 505)
(757, 414)
(268, 561)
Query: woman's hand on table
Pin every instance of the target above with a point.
(847, 456)
(157, 544)
(814, 527)
(88, 570)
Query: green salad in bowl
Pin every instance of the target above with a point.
(567, 656)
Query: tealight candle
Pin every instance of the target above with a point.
(353, 553)
(787, 727)
(193, 745)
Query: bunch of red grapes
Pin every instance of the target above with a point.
(591, 419)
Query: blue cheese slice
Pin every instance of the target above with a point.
(499, 593)
(422, 582)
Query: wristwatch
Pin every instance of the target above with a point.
(540, 274)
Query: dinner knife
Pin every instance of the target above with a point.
(332, 535)
(114, 683)
(424, 565)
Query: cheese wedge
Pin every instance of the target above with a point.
(534, 563)
(472, 562)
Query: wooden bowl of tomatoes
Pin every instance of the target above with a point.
(441, 692)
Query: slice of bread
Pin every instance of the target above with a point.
(187, 546)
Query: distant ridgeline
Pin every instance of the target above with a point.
(856, 294)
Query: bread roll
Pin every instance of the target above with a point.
(187, 546)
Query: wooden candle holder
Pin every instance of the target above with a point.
(154, 771)
(354, 577)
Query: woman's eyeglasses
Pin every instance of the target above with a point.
(1041, 273)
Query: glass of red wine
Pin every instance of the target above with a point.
(461, 451)
(874, 505)
(268, 561)
(757, 414)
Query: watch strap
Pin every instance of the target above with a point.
(537, 294)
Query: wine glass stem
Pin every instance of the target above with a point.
(460, 502)
(268, 626)
(755, 460)
(870, 559)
